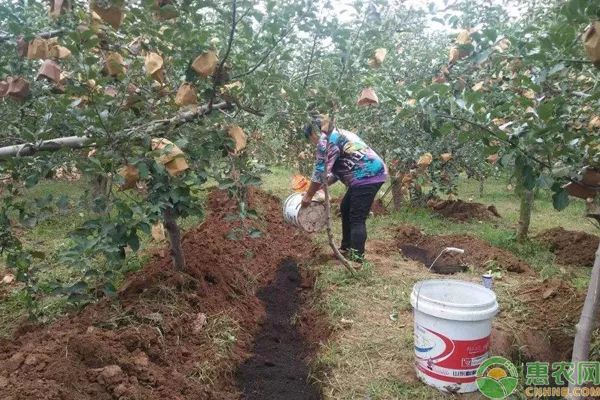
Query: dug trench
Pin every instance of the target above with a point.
(537, 316)
(237, 324)
(277, 369)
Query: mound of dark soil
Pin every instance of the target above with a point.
(554, 308)
(571, 247)
(463, 211)
(478, 254)
(169, 335)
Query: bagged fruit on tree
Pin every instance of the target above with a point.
(454, 55)
(38, 49)
(49, 70)
(493, 159)
(110, 11)
(367, 97)
(18, 88)
(114, 64)
(177, 165)
(463, 37)
(591, 42)
(186, 95)
(158, 232)
(239, 138)
(446, 157)
(59, 52)
(425, 160)
(131, 176)
(168, 150)
(22, 47)
(378, 57)
(206, 63)
(154, 66)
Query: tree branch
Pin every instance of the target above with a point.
(312, 54)
(496, 136)
(76, 142)
(44, 35)
(264, 58)
(218, 75)
(231, 35)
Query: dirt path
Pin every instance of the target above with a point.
(277, 370)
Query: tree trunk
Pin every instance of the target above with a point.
(593, 210)
(481, 183)
(585, 327)
(174, 238)
(525, 214)
(397, 192)
(99, 185)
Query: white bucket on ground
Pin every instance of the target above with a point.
(453, 323)
(311, 218)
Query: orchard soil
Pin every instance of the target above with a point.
(571, 247)
(537, 317)
(478, 254)
(175, 335)
(462, 211)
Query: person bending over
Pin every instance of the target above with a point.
(348, 159)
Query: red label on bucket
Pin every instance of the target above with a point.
(449, 360)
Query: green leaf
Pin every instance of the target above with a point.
(529, 178)
(109, 290)
(254, 233)
(546, 110)
(79, 287)
(134, 241)
(545, 181)
(145, 227)
(560, 199)
(557, 68)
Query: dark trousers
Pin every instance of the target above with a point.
(355, 208)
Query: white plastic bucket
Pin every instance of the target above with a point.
(311, 218)
(453, 323)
